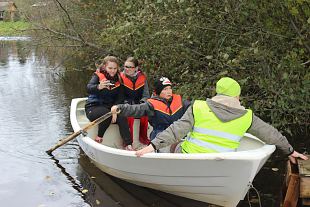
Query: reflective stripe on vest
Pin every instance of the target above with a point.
(209, 145)
(217, 133)
(210, 134)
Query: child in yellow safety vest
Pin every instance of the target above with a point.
(217, 125)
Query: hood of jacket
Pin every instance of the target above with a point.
(226, 108)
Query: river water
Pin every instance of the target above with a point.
(34, 109)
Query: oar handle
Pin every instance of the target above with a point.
(75, 134)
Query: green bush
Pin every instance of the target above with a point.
(264, 45)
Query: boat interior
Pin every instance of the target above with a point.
(112, 136)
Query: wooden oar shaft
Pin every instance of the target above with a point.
(75, 134)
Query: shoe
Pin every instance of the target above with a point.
(99, 139)
(129, 148)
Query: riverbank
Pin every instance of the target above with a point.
(18, 28)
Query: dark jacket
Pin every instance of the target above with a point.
(105, 97)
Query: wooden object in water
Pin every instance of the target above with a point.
(297, 184)
(304, 174)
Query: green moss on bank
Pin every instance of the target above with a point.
(14, 28)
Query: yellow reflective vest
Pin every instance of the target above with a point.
(210, 134)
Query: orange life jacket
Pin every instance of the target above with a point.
(134, 85)
(103, 78)
(133, 90)
(165, 114)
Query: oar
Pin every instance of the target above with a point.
(75, 134)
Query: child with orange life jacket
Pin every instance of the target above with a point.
(105, 90)
(136, 91)
(162, 109)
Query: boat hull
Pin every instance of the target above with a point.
(218, 178)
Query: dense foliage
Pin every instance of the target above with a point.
(265, 45)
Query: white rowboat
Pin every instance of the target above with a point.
(217, 178)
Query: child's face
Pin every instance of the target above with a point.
(111, 68)
(166, 93)
(129, 68)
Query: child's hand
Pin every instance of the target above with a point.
(114, 118)
(103, 84)
(114, 109)
(145, 150)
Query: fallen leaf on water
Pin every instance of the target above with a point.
(97, 202)
(92, 177)
(275, 169)
(84, 191)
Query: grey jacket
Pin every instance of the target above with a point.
(144, 109)
(225, 113)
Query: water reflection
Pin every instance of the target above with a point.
(34, 114)
(124, 193)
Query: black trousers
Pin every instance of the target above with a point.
(95, 112)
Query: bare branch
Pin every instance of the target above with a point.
(70, 20)
(305, 63)
(66, 36)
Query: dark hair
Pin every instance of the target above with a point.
(133, 60)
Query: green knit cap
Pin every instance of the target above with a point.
(228, 87)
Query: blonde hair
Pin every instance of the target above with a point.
(110, 59)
